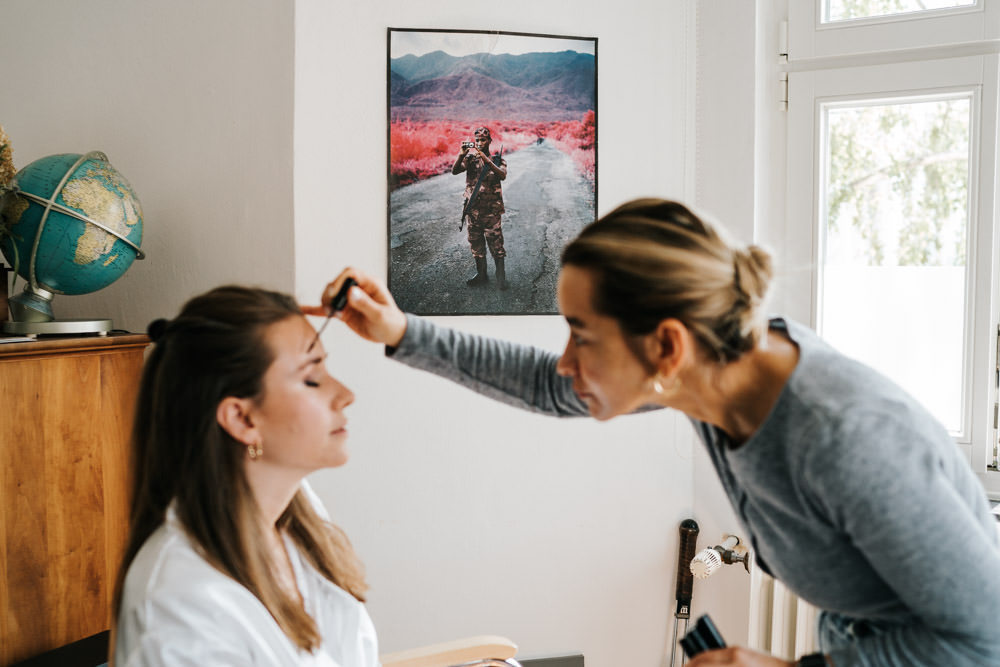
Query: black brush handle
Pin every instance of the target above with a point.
(704, 637)
(339, 301)
(685, 580)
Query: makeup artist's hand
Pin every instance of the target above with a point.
(370, 311)
(737, 656)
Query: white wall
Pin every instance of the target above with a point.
(192, 103)
(724, 188)
(473, 517)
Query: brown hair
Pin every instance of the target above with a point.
(654, 259)
(214, 349)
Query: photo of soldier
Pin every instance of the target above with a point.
(522, 132)
(483, 206)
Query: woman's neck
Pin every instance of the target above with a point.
(273, 489)
(281, 563)
(738, 397)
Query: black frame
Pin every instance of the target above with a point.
(425, 264)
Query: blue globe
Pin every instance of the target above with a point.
(89, 218)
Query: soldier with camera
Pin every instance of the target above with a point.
(483, 204)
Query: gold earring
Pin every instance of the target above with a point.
(256, 450)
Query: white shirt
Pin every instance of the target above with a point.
(177, 609)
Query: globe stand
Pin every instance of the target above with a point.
(32, 305)
(31, 311)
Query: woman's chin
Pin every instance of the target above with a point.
(599, 411)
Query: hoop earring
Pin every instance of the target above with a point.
(256, 450)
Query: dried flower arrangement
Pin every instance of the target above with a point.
(6, 160)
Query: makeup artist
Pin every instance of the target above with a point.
(851, 493)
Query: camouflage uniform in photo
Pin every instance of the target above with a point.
(485, 213)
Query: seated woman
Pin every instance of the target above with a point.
(231, 559)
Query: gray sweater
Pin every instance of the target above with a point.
(851, 493)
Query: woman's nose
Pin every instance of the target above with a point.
(566, 366)
(342, 396)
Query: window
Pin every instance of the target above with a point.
(891, 179)
(847, 10)
(873, 28)
(894, 231)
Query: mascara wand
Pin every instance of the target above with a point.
(336, 304)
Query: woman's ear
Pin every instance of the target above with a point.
(670, 343)
(234, 415)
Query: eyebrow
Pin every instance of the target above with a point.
(311, 362)
(576, 322)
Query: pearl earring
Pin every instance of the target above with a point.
(658, 383)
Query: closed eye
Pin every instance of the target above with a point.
(311, 383)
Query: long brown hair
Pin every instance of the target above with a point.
(654, 259)
(214, 349)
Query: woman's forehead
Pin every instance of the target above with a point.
(290, 337)
(575, 293)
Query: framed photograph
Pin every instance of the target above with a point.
(492, 167)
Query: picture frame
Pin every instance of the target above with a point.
(465, 237)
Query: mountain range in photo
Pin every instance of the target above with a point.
(540, 87)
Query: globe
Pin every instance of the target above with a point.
(69, 224)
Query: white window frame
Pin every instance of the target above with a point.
(889, 58)
(810, 38)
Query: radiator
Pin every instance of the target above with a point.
(780, 623)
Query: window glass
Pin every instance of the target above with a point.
(894, 242)
(847, 10)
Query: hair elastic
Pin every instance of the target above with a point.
(157, 328)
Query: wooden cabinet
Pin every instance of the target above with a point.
(66, 410)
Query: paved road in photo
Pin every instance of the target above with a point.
(547, 200)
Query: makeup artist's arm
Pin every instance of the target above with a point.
(519, 375)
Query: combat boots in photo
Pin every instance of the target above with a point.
(501, 273)
(480, 277)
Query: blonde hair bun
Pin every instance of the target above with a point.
(655, 259)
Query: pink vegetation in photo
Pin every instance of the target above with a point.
(421, 149)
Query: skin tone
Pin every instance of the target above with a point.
(614, 374)
(298, 420)
(606, 374)
(371, 311)
(613, 380)
(736, 656)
